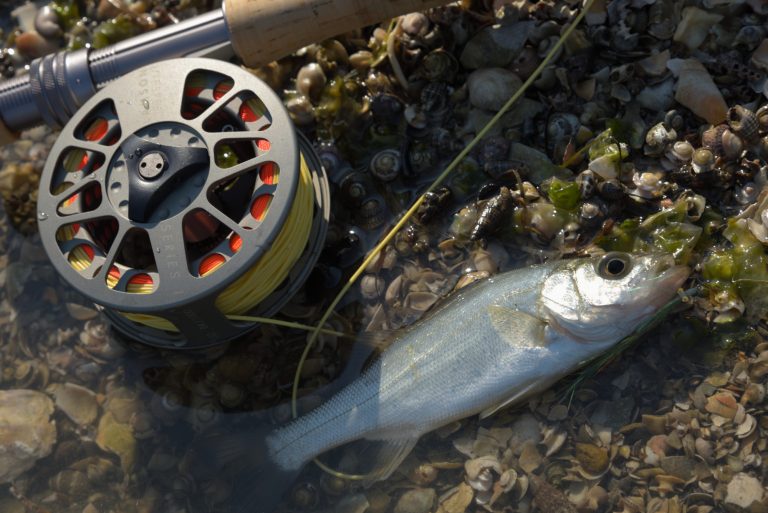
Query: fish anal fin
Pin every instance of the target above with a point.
(391, 454)
(516, 327)
(516, 397)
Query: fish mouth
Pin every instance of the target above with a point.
(670, 276)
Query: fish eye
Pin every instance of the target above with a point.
(614, 265)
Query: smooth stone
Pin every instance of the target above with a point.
(491, 88)
(418, 500)
(496, 46)
(27, 432)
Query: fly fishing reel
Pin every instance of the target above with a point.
(180, 198)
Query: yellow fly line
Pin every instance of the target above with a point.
(254, 285)
(409, 213)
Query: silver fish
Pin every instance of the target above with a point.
(492, 344)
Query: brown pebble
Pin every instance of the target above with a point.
(548, 498)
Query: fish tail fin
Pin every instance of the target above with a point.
(258, 482)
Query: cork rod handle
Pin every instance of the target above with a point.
(264, 30)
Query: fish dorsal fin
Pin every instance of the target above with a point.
(391, 454)
(517, 328)
(518, 395)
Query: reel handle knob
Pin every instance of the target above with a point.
(262, 30)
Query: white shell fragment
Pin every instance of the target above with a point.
(694, 27)
(697, 91)
(26, 431)
(744, 490)
(760, 55)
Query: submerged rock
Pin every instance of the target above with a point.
(26, 431)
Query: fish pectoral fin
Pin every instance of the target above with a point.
(516, 327)
(518, 395)
(391, 454)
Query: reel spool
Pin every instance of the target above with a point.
(180, 196)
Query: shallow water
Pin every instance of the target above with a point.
(144, 414)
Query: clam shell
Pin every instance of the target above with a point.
(697, 91)
(695, 26)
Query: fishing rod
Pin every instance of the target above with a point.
(257, 31)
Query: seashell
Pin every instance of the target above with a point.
(695, 26)
(490, 88)
(47, 22)
(77, 402)
(591, 213)
(371, 214)
(415, 24)
(415, 117)
(542, 221)
(420, 157)
(747, 427)
(491, 215)
(109, 9)
(353, 190)
(696, 90)
(611, 189)
(494, 149)
(526, 62)
(748, 37)
(434, 96)
(605, 166)
(743, 122)
(423, 474)
(385, 165)
(694, 205)
(231, 396)
(420, 302)
(681, 151)
(386, 109)
(203, 415)
(311, 80)
(305, 496)
(722, 404)
(32, 45)
(746, 194)
(702, 161)
(80, 312)
(754, 394)
(439, 66)
(361, 60)
(621, 73)
(663, 18)
(587, 183)
(657, 138)
(743, 492)
(562, 125)
(301, 110)
(372, 286)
